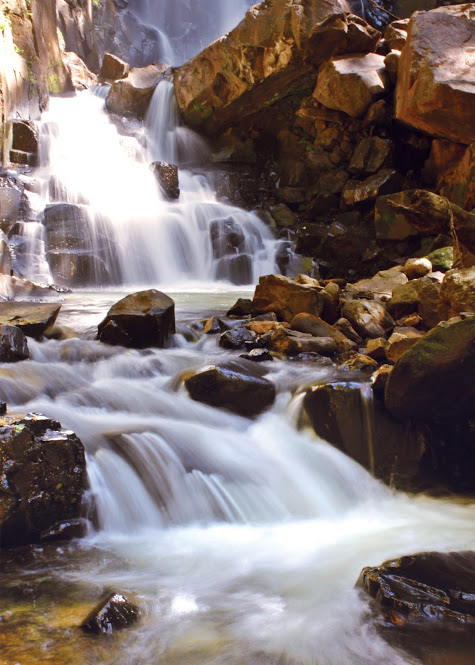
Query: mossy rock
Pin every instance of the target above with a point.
(442, 259)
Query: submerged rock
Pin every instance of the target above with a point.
(114, 612)
(232, 389)
(43, 478)
(142, 319)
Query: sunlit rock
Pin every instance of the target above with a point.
(113, 68)
(286, 297)
(132, 94)
(31, 318)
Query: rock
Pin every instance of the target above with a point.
(13, 344)
(347, 416)
(258, 63)
(16, 288)
(396, 34)
(344, 326)
(428, 589)
(44, 478)
(400, 341)
(457, 293)
(67, 228)
(351, 84)
(227, 238)
(283, 216)
(241, 308)
(317, 327)
(292, 343)
(368, 318)
(25, 138)
(385, 181)
(113, 68)
(424, 211)
(442, 259)
(381, 285)
(258, 355)
(433, 380)
(419, 295)
(167, 178)
(132, 94)
(12, 200)
(32, 319)
(263, 327)
(231, 389)
(359, 362)
(414, 268)
(81, 77)
(236, 338)
(450, 170)
(391, 223)
(436, 87)
(391, 62)
(286, 297)
(379, 378)
(376, 348)
(139, 320)
(65, 530)
(462, 225)
(370, 155)
(114, 612)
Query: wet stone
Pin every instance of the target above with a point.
(114, 612)
(258, 355)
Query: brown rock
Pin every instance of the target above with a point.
(385, 181)
(379, 378)
(113, 612)
(317, 327)
(344, 326)
(81, 76)
(414, 268)
(435, 91)
(286, 297)
(263, 327)
(376, 348)
(391, 62)
(390, 222)
(32, 319)
(167, 178)
(369, 155)
(292, 342)
(451, 171)
(369, 318)
(381, 285)
(113, 68)
(351, 84)
(457, 293)
(132, 94)
(359, 362)
(396, 34)
(400, 341)
(419, 295)
(424, 211)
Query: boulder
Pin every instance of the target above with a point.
(395, 35)
(139, 320)
(67, 227)
(235, 269)
(344, 326)
(347, 416)
(81, 77)
(113, 68)
(428, 589)
(131, 95)
(433, 380)
(292, 343)
(44, 478)
(424, 211)
(370, 155)
(376, 348)
(113, 612)
(241, 308)
(12, 200)
(419, 295)
(351, 84)
(389, 222)
(385, 181)
(400, 341)
(391, 62)
(286, 297)
(258, 355)
(450, 170)
(435, 91)
(381, 285)
(258, 63)
(231, 389)
(25, 138)
(414, 268)
(317, 327)
(227, 238)
(167, 178)
(457, 293)
(368, 317)
(33, 319)
(13, 344)
(236, 338)
(442, 259)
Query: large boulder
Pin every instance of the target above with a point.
(33, 319)
(44, 478)
(433, 380)
(233, 389)
(457, 293)
(425, 589)
(351, 84)
(139, 320)
(435, 90)
(131, 95)
(286, 297)
(271, 54)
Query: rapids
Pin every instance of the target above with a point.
(240, 539)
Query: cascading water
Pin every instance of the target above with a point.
(106, 220)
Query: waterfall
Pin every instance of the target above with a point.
(106, 219)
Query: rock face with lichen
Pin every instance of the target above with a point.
(42, 478)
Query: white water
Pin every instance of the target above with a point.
(241, 539)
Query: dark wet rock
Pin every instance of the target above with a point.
(67, 226)
(347, 416)
(286, 297)
(227, 238)
(429, 589)
(433, 380)
(32, 319)
(142, 319)
(357, 192)
(235, 269)
(258, 355)
(43, 478)
(235, 390)
(167, 177)
(113, 68)
(369, 318)
(65, 530)
(242, 307)
(114, 612)
(11, 199)
(236, 338)
(13, 344)
(24, 143)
